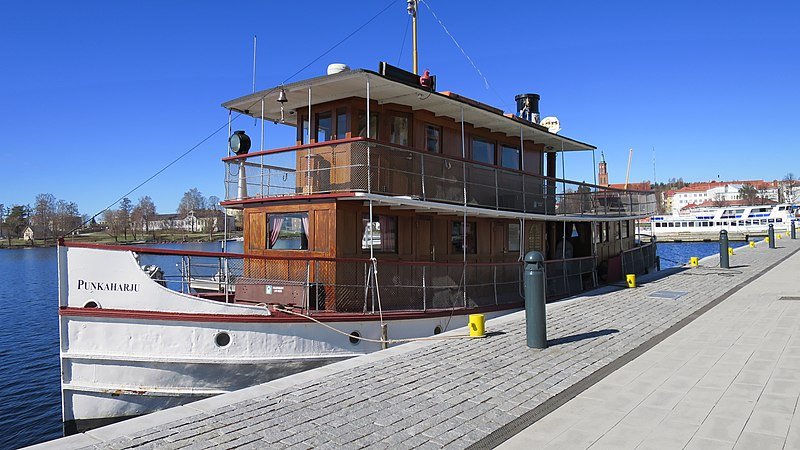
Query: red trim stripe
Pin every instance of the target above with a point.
(276, 317)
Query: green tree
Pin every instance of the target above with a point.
(124, 216)
(749, 194)
(16, 220)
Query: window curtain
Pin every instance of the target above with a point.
(305, 225)
(275, 225)
(388, 233)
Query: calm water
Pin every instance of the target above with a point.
(675, 254)
(30, 401)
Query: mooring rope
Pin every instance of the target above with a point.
(377, 341)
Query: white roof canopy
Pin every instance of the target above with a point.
(353, 83)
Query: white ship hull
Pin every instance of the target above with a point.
(148, 348)
(741, 223)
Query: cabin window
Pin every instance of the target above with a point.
(596, 232)
(513, 237)
(509, 157)
(342, 123)
(324, 125)
(691, 224)
(671, 225)
(459, 244)
(433, 138)
(398, 134)
(288, 231)
(304, 131)
(373, 125)
(779, 220)
(625, 229)
(483, 151)
(382, 235)
(604, 229)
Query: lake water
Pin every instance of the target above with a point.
(30, 399)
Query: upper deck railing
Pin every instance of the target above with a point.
(363, 165)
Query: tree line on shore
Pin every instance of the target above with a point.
(51, 218)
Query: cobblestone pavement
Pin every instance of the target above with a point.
(452, 393)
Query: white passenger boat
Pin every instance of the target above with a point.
(740, 222)
(361, 233)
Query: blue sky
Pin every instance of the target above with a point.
(97, 96)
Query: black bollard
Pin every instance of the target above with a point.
(771, 235)
(724, 259)
(791, 224)
(535, 315)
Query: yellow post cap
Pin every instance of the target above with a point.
(694, 261)
(477, 325)
(631, 279)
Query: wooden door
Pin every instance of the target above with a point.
(499, 248)
(424, 247)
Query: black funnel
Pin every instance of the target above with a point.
(528, 107)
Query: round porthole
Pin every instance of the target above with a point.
(222, 339)
(437, 330)
(355, 337)
(91, 304)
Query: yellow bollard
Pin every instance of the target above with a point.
(752, 244)
(631, 279)
(694, 261)
(779, 236)
(477, 323)
(766, 239)
(730, 251)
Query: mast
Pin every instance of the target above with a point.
(412, 9)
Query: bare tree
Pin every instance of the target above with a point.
(66, 217)
(43, 214)
(113, 228)
(718, 200)
(213, 203)
(142, 213)
(192, 200)
(763, 194)
(789, 183)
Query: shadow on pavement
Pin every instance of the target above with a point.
(580, 337)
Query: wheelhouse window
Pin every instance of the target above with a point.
(304, 134)
(287, 231)
(381, 234)
(483, 151)
(433, 138)
(373, 125)
(459, 243)
(625, 228)
(342, 123)
(324, 126)
(510, 157)
(398, 134)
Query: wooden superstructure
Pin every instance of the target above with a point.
(449, 182)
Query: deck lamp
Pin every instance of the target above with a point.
(239, 142)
